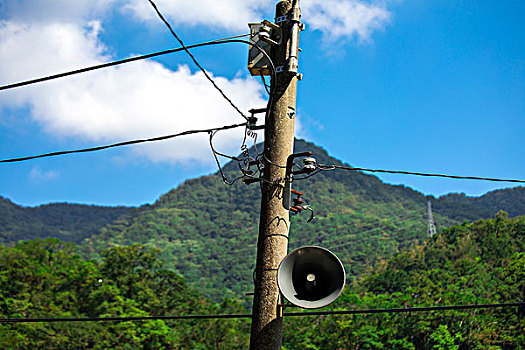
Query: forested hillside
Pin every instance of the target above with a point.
(477, 263)
(48, 279)
(511, 201)
(207, 231)
(68, 222)
(481, 262)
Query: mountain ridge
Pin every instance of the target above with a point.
(65, 221)
(208, 231)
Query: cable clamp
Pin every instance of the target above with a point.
(292, 65)
(252, 120)
(281, 19)
(279, 69)
(294, 16)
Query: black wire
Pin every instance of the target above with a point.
(239, 160)
(98, 148)
(315, 172)
(272, 163)
(120, 319)
(116, 63)
(331, 167)
(288, 314)
(234, 158)
(195, 60)
(410, 309)
(120, 144)
(266, 86)
(215, 153)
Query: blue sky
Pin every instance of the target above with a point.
(428, 86)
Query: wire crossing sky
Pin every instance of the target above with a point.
(421, 86)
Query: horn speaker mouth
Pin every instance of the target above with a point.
(311, 277)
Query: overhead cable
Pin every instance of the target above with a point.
(195, 60)
(120, 319)
(286, 314)
(119, 62)
(331, 167)
(120, 144)
(404, 310)
(109, 64)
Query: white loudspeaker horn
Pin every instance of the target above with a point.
(311, 277)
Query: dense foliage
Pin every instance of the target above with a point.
(48, 279)
(482, 262)
(68, 222)
(511, 200)
(207, 232)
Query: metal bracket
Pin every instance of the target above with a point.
(295, 15)
(257, 110)
(281, 19)
(279, 69)
(288, 177)
(292, 65)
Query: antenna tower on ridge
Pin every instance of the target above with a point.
(431, 225)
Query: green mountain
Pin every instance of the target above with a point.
(478, 263)
(510, 200)
(207, 231)
(68, 222)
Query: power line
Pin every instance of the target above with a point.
(195, 60)
(340, 242)
(120, 144)
(114, 63)
(230, 255)
(287, 314)
(410, 309)
(331, 167)
(121, 319)
(119, 62)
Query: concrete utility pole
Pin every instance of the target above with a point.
(267, 322)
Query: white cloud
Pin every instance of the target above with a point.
(335, 19)
(340, 19)
(138, 100)
(141, 99)
(37, 49)
(70, 11)
(37, 175)
(224, 14)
